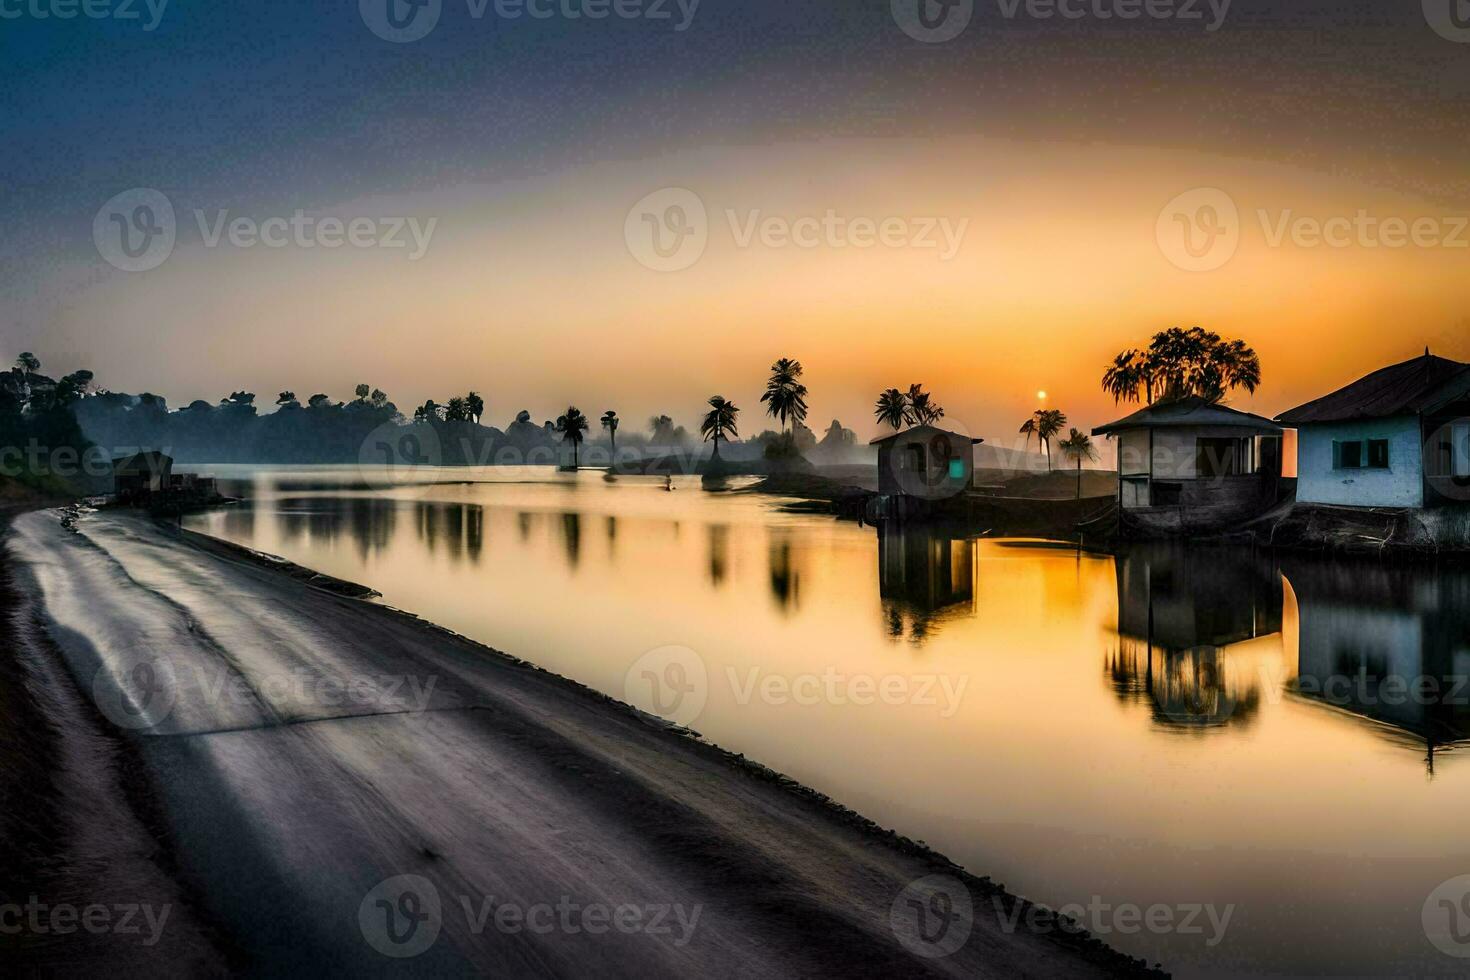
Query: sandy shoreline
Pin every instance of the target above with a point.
(326, 776)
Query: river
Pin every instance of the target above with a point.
(1216, 759)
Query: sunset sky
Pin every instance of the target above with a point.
(1056, 146)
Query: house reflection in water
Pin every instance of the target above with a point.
(1390, 643)
(1183, 611)
(925, 576)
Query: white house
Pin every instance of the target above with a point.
(1399, 437)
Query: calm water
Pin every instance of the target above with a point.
(1177, 727)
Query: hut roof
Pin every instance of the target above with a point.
(914, 430)
(1191, 412)
(1411, 388)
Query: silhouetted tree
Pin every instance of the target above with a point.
(922, 409)
(476, 405)
(785, 395)
(719, 422)
(892, 408)
(1183, 363)
(571, 427)
(1078, 446)
(610, 423)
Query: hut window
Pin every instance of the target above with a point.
(1460, 449)
(1347, 455)
(1216, 458)
(1378, 454)
(912, 459)
(956, 469)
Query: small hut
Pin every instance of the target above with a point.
(925, 462)
(142, 474)
(1189, 466)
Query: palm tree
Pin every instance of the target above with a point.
(785, 394)
(1028, 429)
(892, 408)
(1078, 446)
(922, 409)
(610, 423)
(458, 410)
(571, 426)
(719, 422)
(473, 400)
(1183, 363)
(1043, 424)
(1049, 422)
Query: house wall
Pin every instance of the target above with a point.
(1401, 485)
(935, 482)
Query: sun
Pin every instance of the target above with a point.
(1041, 396)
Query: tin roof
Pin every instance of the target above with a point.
(923, 428)
(1411, 388)
(1192, 412)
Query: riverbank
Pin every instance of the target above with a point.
(287, 807)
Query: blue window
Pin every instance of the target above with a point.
(956, 469)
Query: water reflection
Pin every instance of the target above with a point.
(459, 529)
(785, 575)
(719, 553)
(1389, 643)
(1181, 610)
(571, 530)
(926, 576)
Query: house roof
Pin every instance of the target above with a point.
(1411, 388)
(1192, 412)
(924, 429)
(151, 460)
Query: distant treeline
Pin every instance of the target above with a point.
(371, 429)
